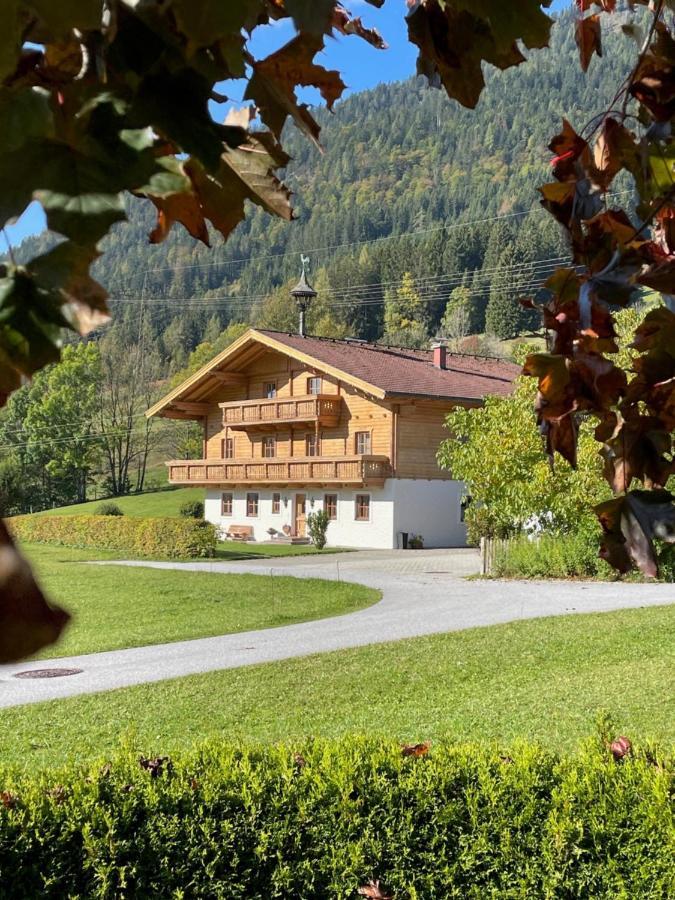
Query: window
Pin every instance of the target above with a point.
(270, 390)
(276, 504)
(228, 448)
(362, 510)
(330, 506)
(252, 505)
(314, 385)
(362, 443)
(269, 447)
(226, 505)
(312, 445)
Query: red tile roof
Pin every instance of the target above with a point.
(398, 371)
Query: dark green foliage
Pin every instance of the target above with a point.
(164, 537)
(321, 819)
(192, 509)
(317, 525)
(108, 509)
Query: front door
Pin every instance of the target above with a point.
(300, 515)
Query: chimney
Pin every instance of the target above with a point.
(440, 351)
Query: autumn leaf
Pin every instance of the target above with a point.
(28, 623)
(416, 750)
(275, 78)
(588, 36)
(630, 524)
(374, 891)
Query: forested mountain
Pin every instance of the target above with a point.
(410, 182)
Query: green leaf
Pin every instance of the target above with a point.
(205, 23)
(60, 16)
(24, 115)
(10, 38)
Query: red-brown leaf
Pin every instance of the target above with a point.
(588, 35)
(374, 891)
(28, 623)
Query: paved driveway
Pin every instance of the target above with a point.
(424, 592)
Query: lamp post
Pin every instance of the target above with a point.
(303, 294)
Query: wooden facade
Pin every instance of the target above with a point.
(283, 422)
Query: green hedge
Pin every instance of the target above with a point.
(169, 538)
(322, 819)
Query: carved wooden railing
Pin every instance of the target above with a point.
(279, 410)
(318, 470)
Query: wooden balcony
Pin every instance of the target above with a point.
(366, 471)
(259, 415)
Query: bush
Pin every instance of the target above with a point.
(192, 509)
(163, 537)
(109, 509)
(317, 525)
(324, 818)
(573, 555)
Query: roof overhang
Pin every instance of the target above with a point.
(186, 401)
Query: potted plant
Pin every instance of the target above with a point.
(416, 542)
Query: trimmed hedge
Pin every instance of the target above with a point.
(322, 819)
(164, 537)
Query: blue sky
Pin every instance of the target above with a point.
(361, 66)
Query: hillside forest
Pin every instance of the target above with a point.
(419, 219)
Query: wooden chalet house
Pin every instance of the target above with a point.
(294, 424)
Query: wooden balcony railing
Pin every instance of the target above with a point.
(358, 470)
(258, 414)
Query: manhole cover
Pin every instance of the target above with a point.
(47, 673)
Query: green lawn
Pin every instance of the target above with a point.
(543, 679)
(158, 503)
(117, 606)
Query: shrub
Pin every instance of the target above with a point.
(192, 509)
(317, 525)
(163, 537)
(573, 555)
(322, 819)
(109, 509)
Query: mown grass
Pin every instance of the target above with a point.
(157, 503)
(117, 606)
(544, 680)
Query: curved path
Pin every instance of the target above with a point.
(425, 592)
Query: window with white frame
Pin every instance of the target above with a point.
(252, 505)
(270, 390)
(226, 505)
(228, 448)
(314, 385)
(362, 508)
(362, 443)
(276, 504)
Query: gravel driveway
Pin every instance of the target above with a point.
(424, 592)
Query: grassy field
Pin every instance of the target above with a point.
(115, 607)
(543, 679)
(158, 503)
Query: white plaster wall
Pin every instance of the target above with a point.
(345, 531)
(432, 509)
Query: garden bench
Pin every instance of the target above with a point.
(239, 533)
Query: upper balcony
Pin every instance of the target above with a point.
(363, 471)
(277, 412)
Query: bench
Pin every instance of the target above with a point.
(239, 533)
